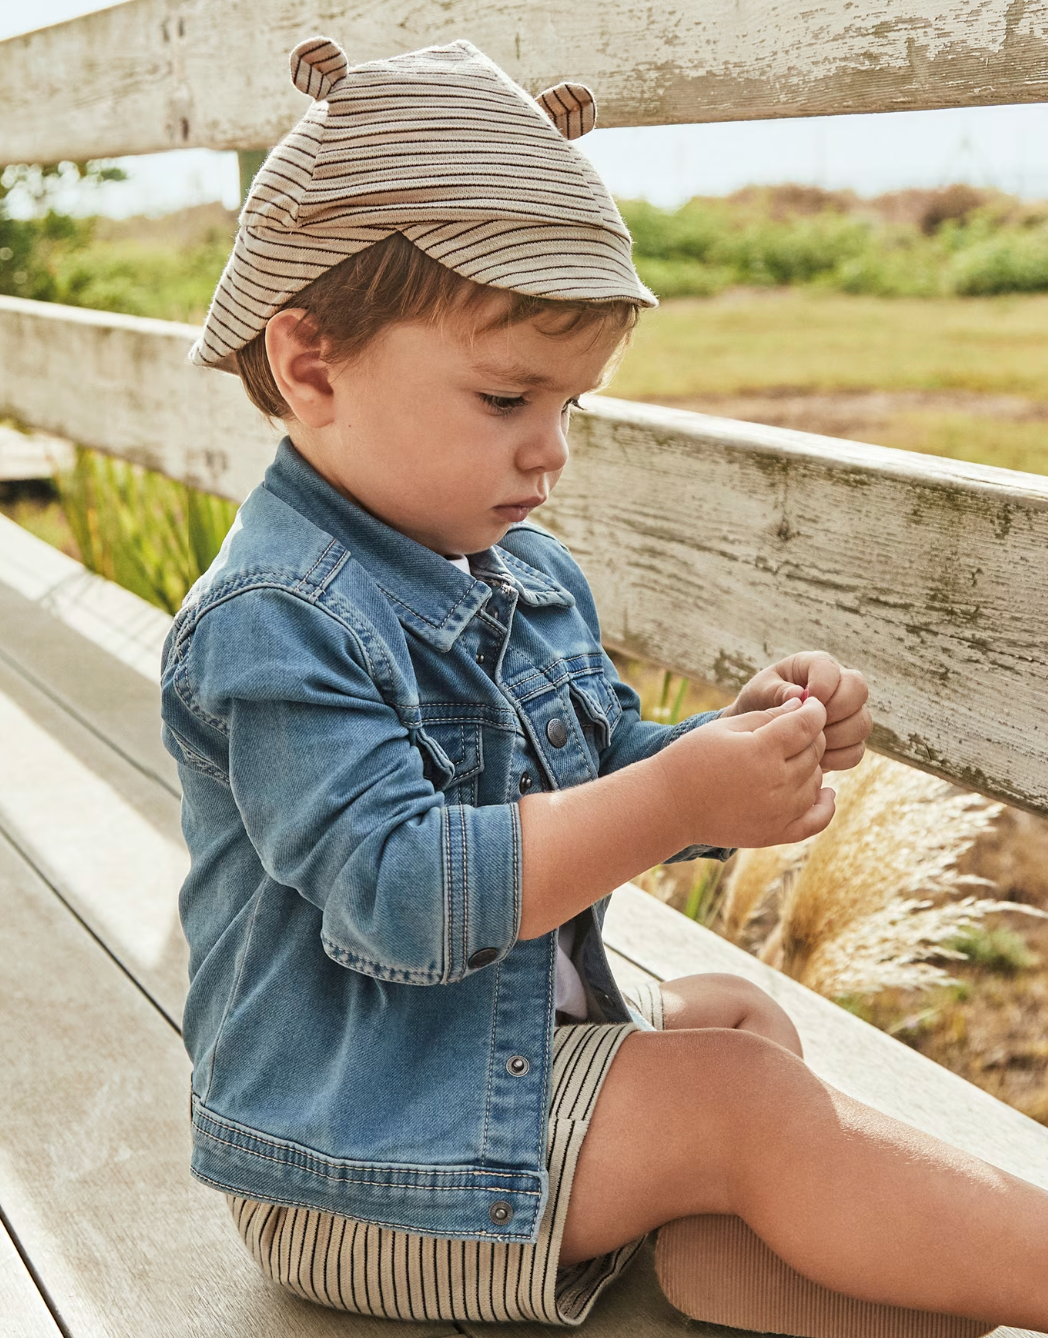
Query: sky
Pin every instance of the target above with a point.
(1005, 147)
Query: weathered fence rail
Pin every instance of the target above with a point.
(158, 74)
(712, 546)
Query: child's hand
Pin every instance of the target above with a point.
(842, 691)
(752, 780)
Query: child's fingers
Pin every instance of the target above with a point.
(792, 727)
(850, 697)
(817, 673)
(843, 759)
(815, 819)
(850, 731)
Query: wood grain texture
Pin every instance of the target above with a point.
(148, 75)
(857, 1058)
(22, 1308)
(106, 837)
(123, 384)
(95, 1151)
(716, 547)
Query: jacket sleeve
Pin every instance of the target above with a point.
(331, 792)
(631, 738)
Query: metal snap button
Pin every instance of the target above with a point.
(501, 1212)
(517, 1065)
(525, 783)
(480, 657)
(482, 957)
(557, 732)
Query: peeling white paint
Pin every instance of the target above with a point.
(149, 75)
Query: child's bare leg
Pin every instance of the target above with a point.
(722, 1121)
(716, 1000)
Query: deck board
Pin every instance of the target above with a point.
(91, 646)
(104, 836)
(22, 1308)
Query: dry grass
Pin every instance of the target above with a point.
(866, 905)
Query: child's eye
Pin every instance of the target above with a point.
(504, 404)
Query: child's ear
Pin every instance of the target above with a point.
(301, 374)
(571, 107)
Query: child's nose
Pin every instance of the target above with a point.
(547, 450)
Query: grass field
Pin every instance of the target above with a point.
(961, 377)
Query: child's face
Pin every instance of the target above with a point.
(448, 438)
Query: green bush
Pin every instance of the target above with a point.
(1013, 261)
(1000, 950)
(680, 277)
(33, 248)
(780, 237)
(173, 284)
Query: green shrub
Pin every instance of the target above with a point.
(1000, 950)
(957, 242)
(683, 278)
(793, 251)
(1012, 261)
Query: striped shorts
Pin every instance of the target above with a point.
(373, 1270)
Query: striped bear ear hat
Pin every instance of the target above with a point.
(439, 145)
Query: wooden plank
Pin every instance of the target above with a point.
(89, 645)
(715, 547)
(93, 1166)
(106, 837)
(158, 74)
(857, 1058)
(31, 455)
(24, 1313)
(146, 402)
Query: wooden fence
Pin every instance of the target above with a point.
(712, 546)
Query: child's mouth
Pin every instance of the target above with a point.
(518, 510)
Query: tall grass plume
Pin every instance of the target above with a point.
(877, 900)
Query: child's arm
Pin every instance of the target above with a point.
(752, 780)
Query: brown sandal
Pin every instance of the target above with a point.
(714, 1268)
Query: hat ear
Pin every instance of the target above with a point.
(571, 107)
(317, 64)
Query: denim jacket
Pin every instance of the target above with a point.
(355, 720)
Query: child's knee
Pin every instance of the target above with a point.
(718, 999)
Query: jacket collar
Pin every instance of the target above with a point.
(430, 596)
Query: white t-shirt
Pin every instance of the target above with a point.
(570, 997)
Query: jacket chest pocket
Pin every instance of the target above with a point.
(452, 758)
(597, 707)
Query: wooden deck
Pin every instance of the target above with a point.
(106, 1234)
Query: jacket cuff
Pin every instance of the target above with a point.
(482, 885)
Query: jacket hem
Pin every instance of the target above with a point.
(450, 1202)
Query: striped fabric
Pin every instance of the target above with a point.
(374, 1270)
(443, 147)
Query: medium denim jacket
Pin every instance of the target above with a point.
(355, 720)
